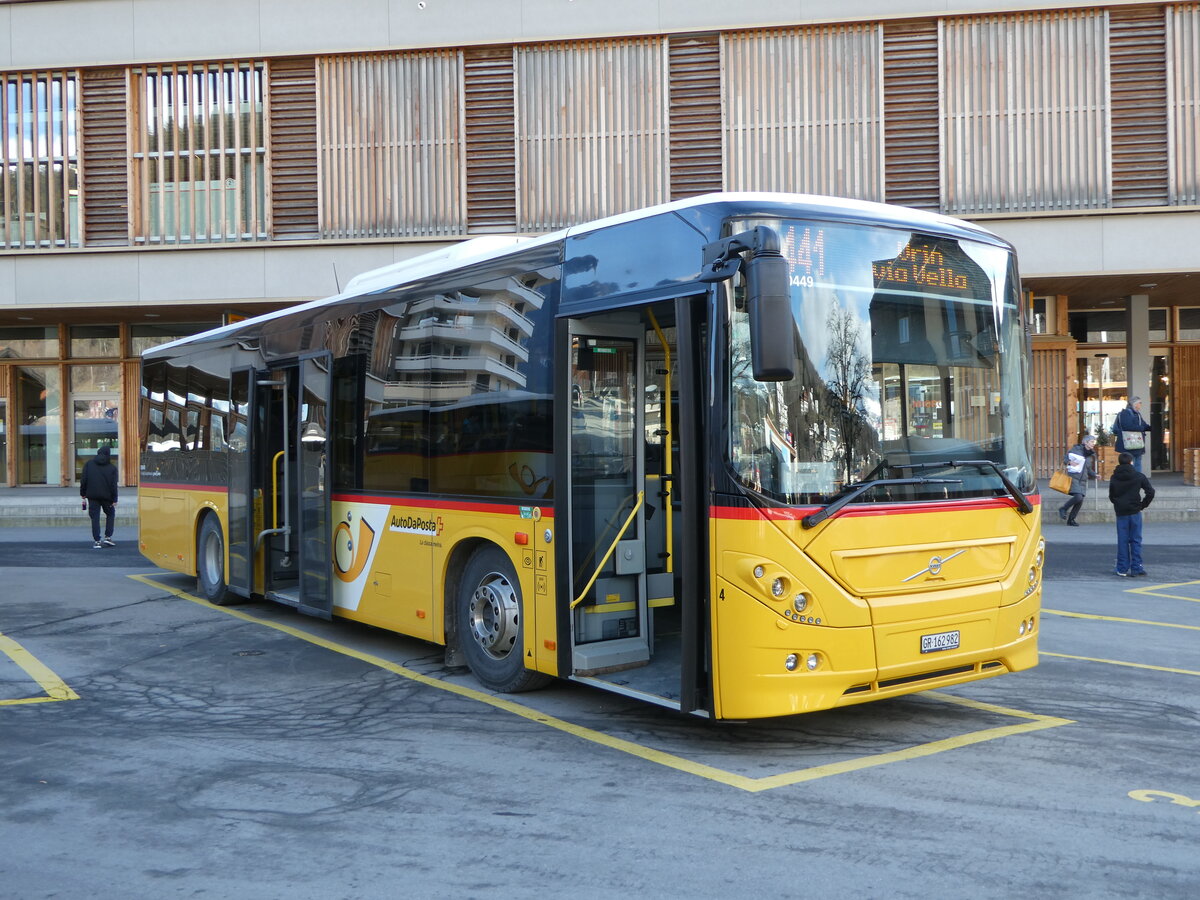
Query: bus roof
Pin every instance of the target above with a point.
(482, 249)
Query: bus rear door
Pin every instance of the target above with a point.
(279, 489)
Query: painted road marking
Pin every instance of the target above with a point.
(1156, 590)
(1075, 615)
(1032, 721)
(1118, 662)
(55, 688)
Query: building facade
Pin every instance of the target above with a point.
(172, 166)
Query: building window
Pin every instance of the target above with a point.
(1189, 323)
(143, 337)
(1098, 327)
(95, 341)
(40, 190)
(1158, 325)
(200, 153)
(28, 343)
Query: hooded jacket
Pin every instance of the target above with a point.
(1126, 488)
(99, 481)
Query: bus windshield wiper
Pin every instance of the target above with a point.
(857, 490)
(1023, 503)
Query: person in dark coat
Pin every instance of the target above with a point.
(1081, 466)
(1130, 420)
(98, 487)
(1130, 492)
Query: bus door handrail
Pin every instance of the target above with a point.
(613, 546)
(668, 472)
(286, 529)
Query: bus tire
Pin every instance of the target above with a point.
(491, 629)
(210, 563)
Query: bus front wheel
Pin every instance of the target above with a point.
(210, 563)
(491, 624)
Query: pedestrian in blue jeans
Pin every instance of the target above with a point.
(1130, 492)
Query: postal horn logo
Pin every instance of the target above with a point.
(350, 554)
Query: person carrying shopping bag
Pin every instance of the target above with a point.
(1081, 466)
(1130, 430)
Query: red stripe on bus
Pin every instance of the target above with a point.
(747, 513)
(455, 505)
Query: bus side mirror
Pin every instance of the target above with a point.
(772, 328)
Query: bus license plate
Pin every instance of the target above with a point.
(946, 640)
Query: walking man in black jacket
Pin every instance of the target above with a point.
(99, 487)
(1130, 492)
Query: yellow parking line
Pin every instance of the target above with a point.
(1075, 615)
(1118, 662)
(55, 687)
(1036, 722)
(1153, 591)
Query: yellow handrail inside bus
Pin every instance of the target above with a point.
(666, 418)
(633, 512)
(275, 489)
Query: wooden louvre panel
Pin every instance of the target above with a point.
(803, 110)
(490, 140)
(390, 141)
(1053, 366)
(911, 113)
(105, 137)
(293, 122)
(1138, 78)
(695, 118)
(1185, 412)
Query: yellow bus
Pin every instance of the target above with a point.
(740, 455)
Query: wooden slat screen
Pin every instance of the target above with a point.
(1185, 412)
(911, 113)
(292, 104)
(695, 120)
(105, 139)
(490, 140)
(389, 129)
(1053, 432)
(1138, 78)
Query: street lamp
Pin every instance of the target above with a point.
(1102, 357)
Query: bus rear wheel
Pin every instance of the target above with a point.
(210, 563)
(491, 624)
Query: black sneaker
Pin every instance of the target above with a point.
(1141, 574)
(95, 545)
(108, 542)
(1062, 514)
(1072, 522)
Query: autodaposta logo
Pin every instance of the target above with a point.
(410, 524)
(350, 554)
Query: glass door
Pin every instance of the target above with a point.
(95, 414)
(39, 439)
(608, 546)
(312, 487)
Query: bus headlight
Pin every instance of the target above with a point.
(778, 587)
(791, 661)
(800, 604)
(1039, 558)
(813, 661)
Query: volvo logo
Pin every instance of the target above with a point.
(935, 565)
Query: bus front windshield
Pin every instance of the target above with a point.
(911, 359)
